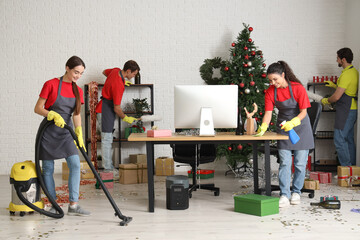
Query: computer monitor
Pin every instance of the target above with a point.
(206, 107)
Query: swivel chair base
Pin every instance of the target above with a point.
(210, 187)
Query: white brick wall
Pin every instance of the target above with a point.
(169, 39)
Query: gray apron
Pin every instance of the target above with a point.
(57, 142)
(107, 113)
(343, 106)
(289, 109)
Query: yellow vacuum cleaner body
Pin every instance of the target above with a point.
(23, 176)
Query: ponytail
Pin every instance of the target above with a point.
(282, 67)
(77, 98)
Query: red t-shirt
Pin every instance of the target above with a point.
(283, 94)
(50, 90)
(113, 88)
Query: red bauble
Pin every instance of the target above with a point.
(264, 65)
(250, 29)
(242, 85)
(229, 148)
(256, 119)
(245, 65)
(246, 57)
(250, 40)
(253, 53)
(271, 123)
(260, 113)
(233, 44)
(239, 147)
(261, 56)
(263, 75)
(234, 54)
(251, 75)
(252, 83)
(226, 68)
(264, 91)
(245, 48)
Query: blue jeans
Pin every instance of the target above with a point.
(344, 141)
(300, 161)
(106, 150)
(73, 163)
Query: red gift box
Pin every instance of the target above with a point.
(107, 178)
(323, 177)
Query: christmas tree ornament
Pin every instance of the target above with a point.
(233, 44)
(271, 123)
(261, 56)
(245, 48)
(257, 91)
(229, 148)
(252, 83)
(249, 64)
(247, 91)
(249, 40)
(264, 91)
(260, 113)
(234, 54)
(239, 147)
(263, 75)
(264, 65)
(226, 68)
(251, 75)
(245, 65)
(253, 53)
(251, 29)
(246, 57)
(241, 85)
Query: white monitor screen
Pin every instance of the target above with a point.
(221, 99)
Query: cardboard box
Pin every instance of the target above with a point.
(131, 173)
(137, 158)
(85, 171)
(326, 162)
(348, 175)
(255, 204)
(108, 180)
(323, 177)
(311, 184)
(159, 133)
(164, 166)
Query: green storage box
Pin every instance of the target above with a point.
(255, 204)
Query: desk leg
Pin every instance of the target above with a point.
(150, 169)
(255, 169)
(267, 168)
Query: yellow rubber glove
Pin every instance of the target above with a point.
(291, 124)
(325, 101)
(330, 84)
(129, 120)
(59, 121)
(128, 83)
(262, 129)
(78, 132)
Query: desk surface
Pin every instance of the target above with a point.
(141, 137)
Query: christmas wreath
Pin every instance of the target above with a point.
(207, 70)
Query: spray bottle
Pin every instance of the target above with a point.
(294, 137)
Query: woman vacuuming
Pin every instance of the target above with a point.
(288, 95)
(59, 99)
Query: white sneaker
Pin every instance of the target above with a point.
(295, 199)
(284, 201)
(116, 174)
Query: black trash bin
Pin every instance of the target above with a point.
(177, 192)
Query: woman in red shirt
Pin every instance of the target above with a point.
(58, 100)
(289, 96)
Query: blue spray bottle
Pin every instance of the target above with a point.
(294, 137)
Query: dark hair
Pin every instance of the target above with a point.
(345, 53)
(132, 65)
(282, 67)
(71, 63)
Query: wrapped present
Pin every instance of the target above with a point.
(323, 177)
(130, 130)
(202, 174)
(328, 197)
(85, 171)
(107, 178)
(164, 166)
(255, 204)
(311, 184)
(348, 175)
(137, 158)
(131, 173)
(159, 133)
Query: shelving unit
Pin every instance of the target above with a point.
(118, 140)
(321, 135)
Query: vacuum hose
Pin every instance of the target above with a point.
(125, 220)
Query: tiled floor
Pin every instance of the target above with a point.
(208, 217)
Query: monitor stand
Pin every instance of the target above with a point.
(206, 123)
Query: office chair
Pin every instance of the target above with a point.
(195, 154)
(314, 116)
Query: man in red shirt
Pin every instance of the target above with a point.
(109, 107)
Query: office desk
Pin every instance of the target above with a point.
(218, 139)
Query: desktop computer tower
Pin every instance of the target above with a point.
(177, 192)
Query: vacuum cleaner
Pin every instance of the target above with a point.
(26, 178)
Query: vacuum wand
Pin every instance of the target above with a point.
(125, 220)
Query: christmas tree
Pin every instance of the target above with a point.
(245, 68)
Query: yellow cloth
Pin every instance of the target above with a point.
(349, 79)
(262, 129)
(129, 120)
(58, 119)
